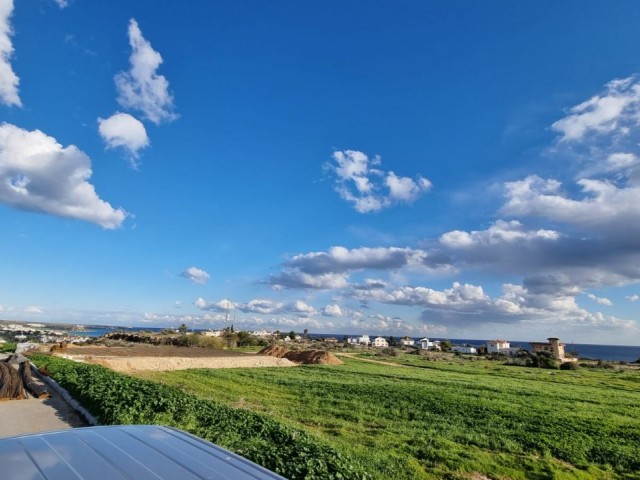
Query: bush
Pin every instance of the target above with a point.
(8, 347)
(604, 364)
(387, 352)
(116, 399)
(209, 342)
(569, 366)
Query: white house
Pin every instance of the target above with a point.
(380, 342)
(464, 349)
(426, 344)
(498, 346)
(407, 342)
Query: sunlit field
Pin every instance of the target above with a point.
(448, 419)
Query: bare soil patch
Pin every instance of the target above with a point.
(162, 358)
(151, 351)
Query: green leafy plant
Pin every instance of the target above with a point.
(117, 399)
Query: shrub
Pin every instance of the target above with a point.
(388, 352)
(604, 364)
(569, 366)
(209, 342)
(8, 347)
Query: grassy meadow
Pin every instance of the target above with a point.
(425, 419)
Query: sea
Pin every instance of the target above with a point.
(616, 353)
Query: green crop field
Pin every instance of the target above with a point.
(447, 419)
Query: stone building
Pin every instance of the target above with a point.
(553, 347)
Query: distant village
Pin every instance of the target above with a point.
(44, 334)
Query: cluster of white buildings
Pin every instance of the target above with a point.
(492, 346)
(365, 340)
(38, 331)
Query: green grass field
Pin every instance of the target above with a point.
(448, 419)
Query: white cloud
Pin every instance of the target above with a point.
(33, 310)
(62, 3)
(126, 131)
(141, 88)
(330, 270)
(619, 160)
(633, 298)
(458, 297)
(294, 278)
(341, 259)
(600, 300)
(38, 174)
(604, 205)
(500, 233)
(332, 311)
(405, 189)
(618, 105)
(259, 306)
(196, 275)
(8, 79)
(464, 305)
(370, 189)
(370, 284)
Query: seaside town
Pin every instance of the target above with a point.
(36, 335)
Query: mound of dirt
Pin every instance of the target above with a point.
(313, 357)
(306, 357)
(274, 350)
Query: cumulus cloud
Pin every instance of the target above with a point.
(369, 189)
(545, 259)
(124, 131)
(142, 88)
(331, 269)
(500, 233)
(633, 298)
(621, 160)
(40, 175)
(341, 259)
(259, 306)
(294, 278)
(62, 3)
(607, 112)
(370, 284)
(33, 310)
(600, 300)
(603, 206)
(459, 297)
(196, 275)
(467, 304)
(8, 79)
(332, 310)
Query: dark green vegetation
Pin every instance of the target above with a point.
(7, 347)
(448, 419)
(118, 399)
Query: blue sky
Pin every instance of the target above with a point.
(447, 169)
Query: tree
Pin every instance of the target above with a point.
(183, 328)
(292, 335)
(305, 333)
